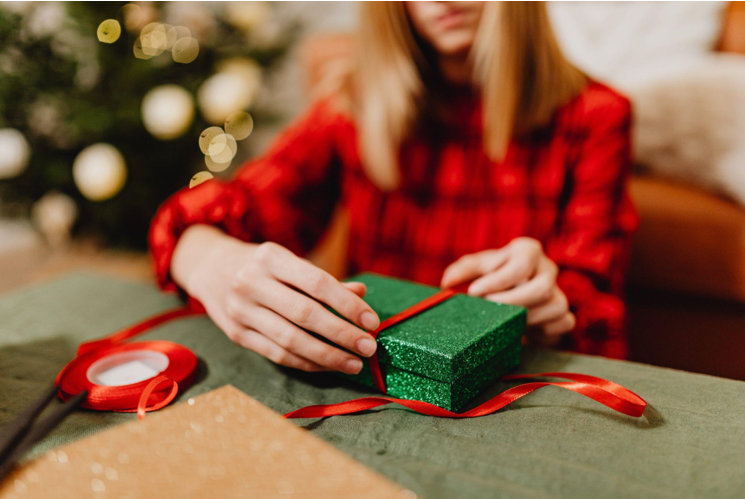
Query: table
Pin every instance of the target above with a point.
(552, 443)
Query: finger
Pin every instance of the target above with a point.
(257, 342)
(357, 288)
(469, 267)
(534, 292)
(241, 336)
(320, 285)
(295, 340)
(563, 325)
(553, 309)
(309, 314)
(516, 270)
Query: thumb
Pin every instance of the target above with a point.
(470, 267)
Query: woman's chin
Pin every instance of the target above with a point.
(454, 43)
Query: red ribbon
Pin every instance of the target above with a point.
(145, 396)
(606, 392)
(157, 392)
(400, 317)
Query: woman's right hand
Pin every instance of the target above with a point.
(263, 296)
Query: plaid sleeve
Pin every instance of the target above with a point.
(286, 196)
(592, 244)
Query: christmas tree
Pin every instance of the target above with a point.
(108, 108)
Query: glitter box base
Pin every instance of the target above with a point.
(452, 395)
(446, 355)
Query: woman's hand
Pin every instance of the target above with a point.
(262, 295)
(519, 274)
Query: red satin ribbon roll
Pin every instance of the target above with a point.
(143, 396)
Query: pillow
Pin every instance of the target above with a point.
(690, 125)
(624, 42)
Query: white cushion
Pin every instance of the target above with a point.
(690, 125)
(624, 42)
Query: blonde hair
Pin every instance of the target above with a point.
(518, 68)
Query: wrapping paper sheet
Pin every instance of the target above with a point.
(221, 444)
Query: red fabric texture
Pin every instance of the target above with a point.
(564, 185)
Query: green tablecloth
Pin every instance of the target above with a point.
(552, 443)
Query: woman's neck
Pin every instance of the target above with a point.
(456, 69)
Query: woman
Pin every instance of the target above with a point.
(464, 148)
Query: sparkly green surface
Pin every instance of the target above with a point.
(446, 341)
(447, 354)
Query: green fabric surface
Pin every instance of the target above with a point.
(552, 443)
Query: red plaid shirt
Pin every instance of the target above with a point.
(564, 185)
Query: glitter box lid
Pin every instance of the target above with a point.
(447, 341)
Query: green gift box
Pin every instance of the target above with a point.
(447, 354)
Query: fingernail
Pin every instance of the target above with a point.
(369, 320)
(366, 346)
(352, 366)
(475, 290)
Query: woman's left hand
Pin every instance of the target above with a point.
(518, 274)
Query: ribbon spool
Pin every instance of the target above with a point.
(129, 377)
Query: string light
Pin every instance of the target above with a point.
(185, 50)
(239, 125)
(222, 148)
(99, 172)
(215, 166)
(132, 15)
(15, 152)
(137, 49)
(156, 38)
(167, 111)
(109, 31)
(200, 178)
(205, 138)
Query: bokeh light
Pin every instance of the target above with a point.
(205, 138)
(15, 152)
(132, 15)
(221, 95)
(167, 111)
(185, 50)
(179, 32)
(99, 171)
(222, 148)
(239, 125)
(200, 178)
(137, 49)
(215, 166)
(109, 31)
(154, 39)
